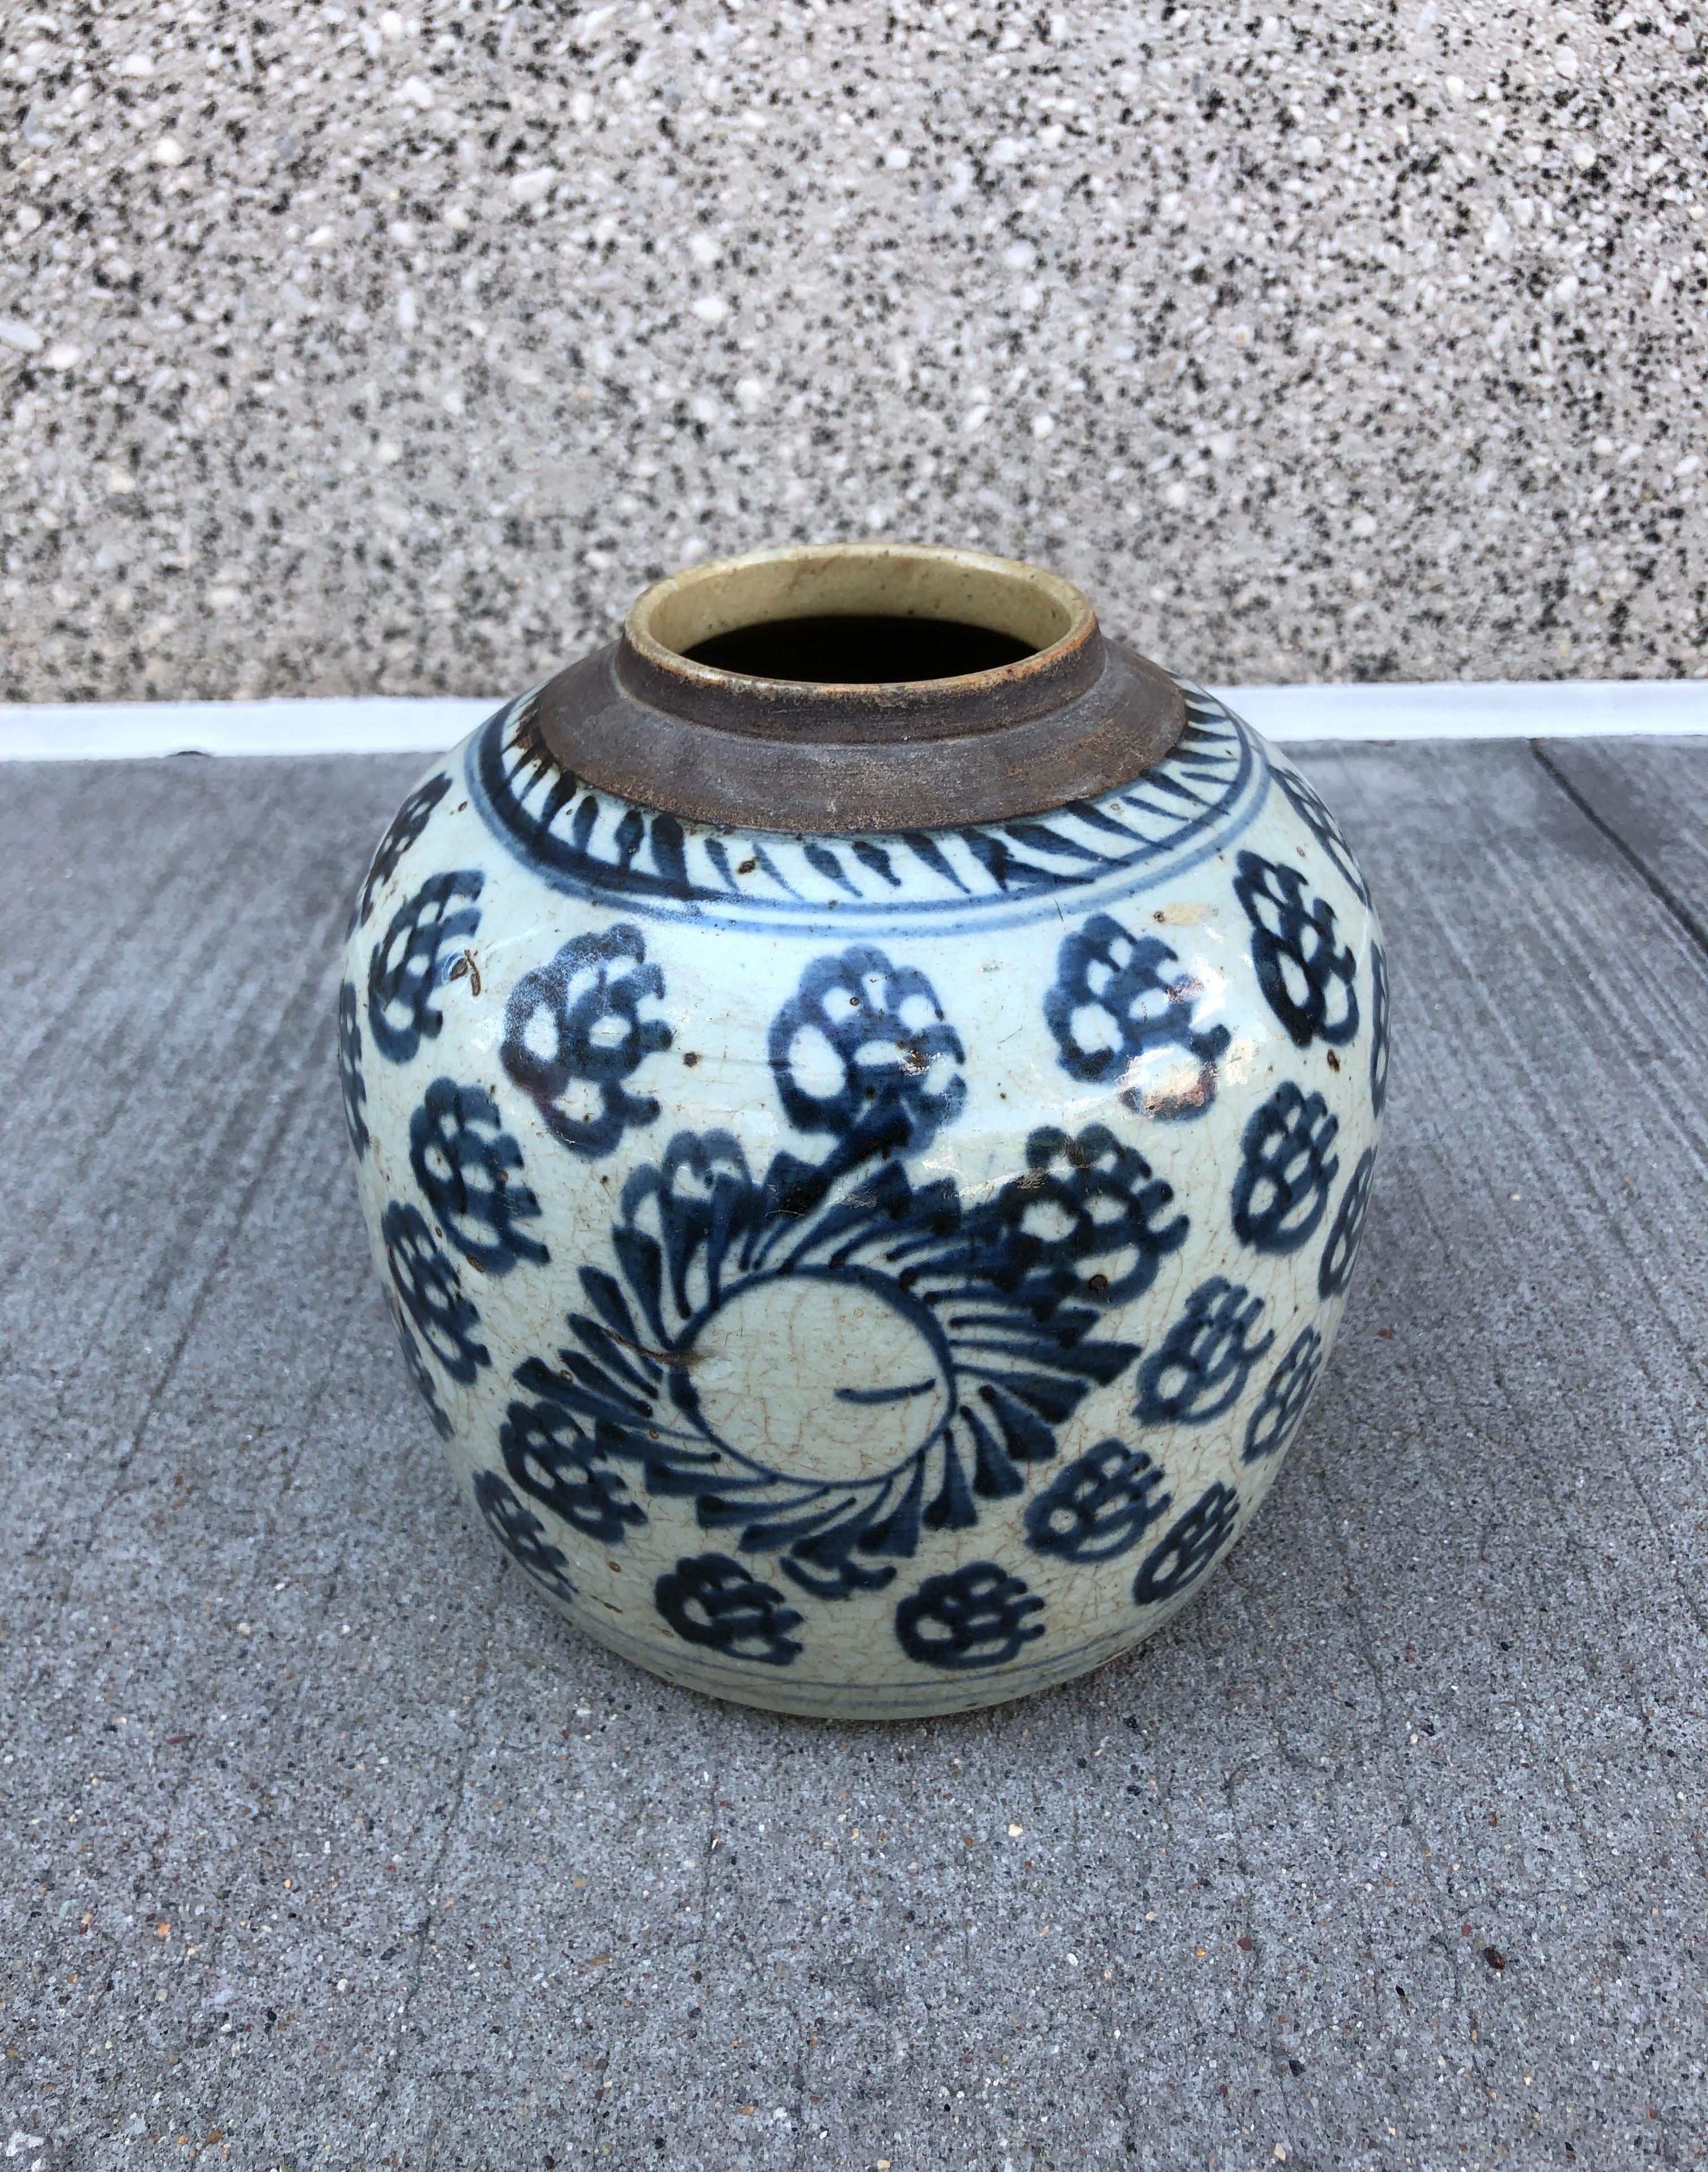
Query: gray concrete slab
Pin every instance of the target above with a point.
(394, 349)
(321, 1844)
(1647, 799)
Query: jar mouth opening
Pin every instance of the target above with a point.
(860, 648)
(843, 618)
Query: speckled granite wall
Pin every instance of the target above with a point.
(393, 352)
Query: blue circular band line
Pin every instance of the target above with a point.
(1191, 806)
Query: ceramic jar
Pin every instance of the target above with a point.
(864, 1095)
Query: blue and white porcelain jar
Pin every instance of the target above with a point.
(864, 1095)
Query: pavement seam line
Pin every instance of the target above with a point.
(1658, 887)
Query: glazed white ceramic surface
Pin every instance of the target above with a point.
(871, 1277)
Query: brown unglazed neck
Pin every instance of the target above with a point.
(653, 720)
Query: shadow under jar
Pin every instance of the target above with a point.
(864, 1095)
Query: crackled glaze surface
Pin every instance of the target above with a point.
(876, 1275)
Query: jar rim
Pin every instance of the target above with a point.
(1072, 717)
(881, 580)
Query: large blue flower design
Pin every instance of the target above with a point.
(977, 1616)
(351, 1083)
(1198, 1370)
(1280, 1409)
(420, 1374)
(1188, 1547)
(573, 1036)
(405, 826)
(862, 1050)
(1305, 973)
(468, 1166)
(1117, 1013)
(709, 1599)
(1334, 1270)
(428, 1288)
(942, 1345)
(1378, 1028)
(522, 1535)
(1100, 1506)
(407, 966)
(1287, 1169)
(567, 1471)
(1310, 806)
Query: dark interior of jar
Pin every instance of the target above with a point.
(860, 649)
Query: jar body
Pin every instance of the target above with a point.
(867, 1275)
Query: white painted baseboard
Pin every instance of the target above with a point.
(1490, 709)
(116, 731)
(100, 731)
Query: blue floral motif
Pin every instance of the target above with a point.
(405, 969)
(1085, 1205)
(522, 1535)
(983, 1322)
(420, 1375)
(464, 1160)
(1099, 1506)
(1281, 1188)
(1281, 1407)
(861, 1051)
(1334, 1272)
(1378, 1028)
(1188, 1547)
(350, 1079)
(407, 825)
(1308, 805)
(712, 1600)
(1200, 1369)
(573, 1036)
(552, 1459)
(1114, 1005)
(430, 1292)
(974, 1617)
(1306, 976)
